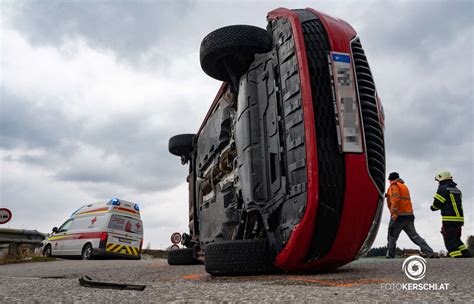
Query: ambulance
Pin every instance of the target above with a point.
(112, 228)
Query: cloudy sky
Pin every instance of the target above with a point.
(91, 91)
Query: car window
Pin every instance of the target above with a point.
(127, 224)
(65, 227)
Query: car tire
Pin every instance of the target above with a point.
(182, 256)
(237, 46)
(87, 252)
(181, 145)
(47, 251)
(239, 257)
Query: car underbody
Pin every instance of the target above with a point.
(281, 167)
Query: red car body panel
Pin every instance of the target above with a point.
(221, 91)
(291, 257)
(355, 221)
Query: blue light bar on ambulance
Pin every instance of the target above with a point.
(136, 207)
(114, 202)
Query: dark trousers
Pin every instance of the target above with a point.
(394, 230)
(451, 232)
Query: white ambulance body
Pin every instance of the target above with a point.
(112, 228)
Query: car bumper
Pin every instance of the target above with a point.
(103, 253)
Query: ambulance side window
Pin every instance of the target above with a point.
(65, 227)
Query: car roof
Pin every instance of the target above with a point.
(114, 205)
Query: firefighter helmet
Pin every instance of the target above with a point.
(443, 175)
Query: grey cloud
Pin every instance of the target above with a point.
(25, 123)
(133, 28)
(127, 27)
(142, 161)
(38, 201)
(91, 174)
(432, 120)
(414, 29)
(144, 33)
(141, 148)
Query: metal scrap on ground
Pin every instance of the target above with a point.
(87, 281)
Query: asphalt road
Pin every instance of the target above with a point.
(365, 280)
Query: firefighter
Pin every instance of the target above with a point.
(448, 199)
(402, 218)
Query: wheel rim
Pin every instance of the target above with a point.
(87, 253)
(47, 252)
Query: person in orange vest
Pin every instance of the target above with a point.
(401, 217)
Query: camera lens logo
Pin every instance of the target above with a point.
(414, 267)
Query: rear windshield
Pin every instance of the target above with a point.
(123, 223)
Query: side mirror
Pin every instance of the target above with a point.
(55, 229)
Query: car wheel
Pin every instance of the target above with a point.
(239, 257)
(87, 252)
(47, 251)
(232, 49)
(181, 145)
(182, 256)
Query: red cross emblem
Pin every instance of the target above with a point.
(138, 226)
(94, 220)
(128, 226)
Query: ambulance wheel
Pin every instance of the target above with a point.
(47, 251)
(182, 256)
(87, 252)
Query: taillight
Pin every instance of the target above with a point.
(103, 239)
(141, 244)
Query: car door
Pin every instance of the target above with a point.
(59, 241)
(84, 230)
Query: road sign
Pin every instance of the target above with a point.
(5, 215)
(176, 238)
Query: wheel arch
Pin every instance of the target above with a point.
(46, 246)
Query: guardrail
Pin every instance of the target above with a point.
(18, 239)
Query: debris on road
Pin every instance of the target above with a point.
(87, 281)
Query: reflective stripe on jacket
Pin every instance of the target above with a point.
(448, 199)
(398, 198)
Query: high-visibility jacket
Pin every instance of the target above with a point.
(448, 199)
(398, 198)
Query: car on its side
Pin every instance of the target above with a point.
(110, 229)
(287, 170)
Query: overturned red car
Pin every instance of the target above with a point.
(288, 168)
